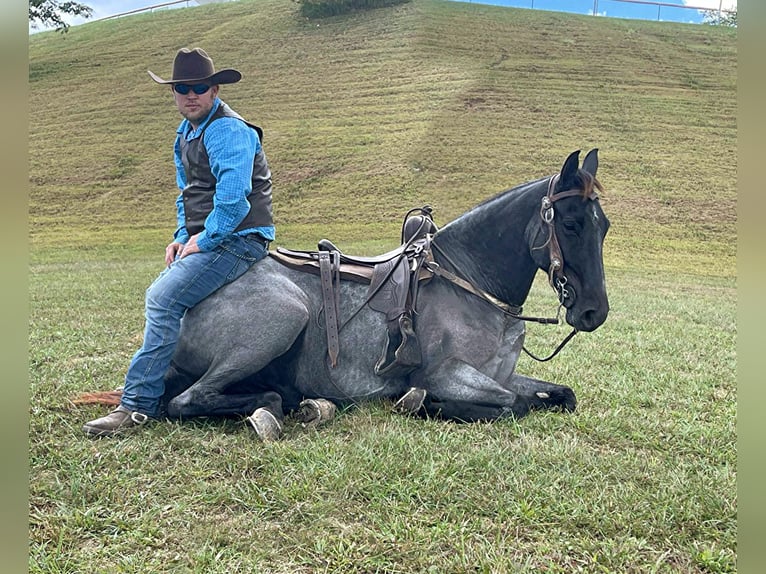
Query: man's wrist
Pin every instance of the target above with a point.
(204, 242)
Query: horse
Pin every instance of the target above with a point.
(259, 345)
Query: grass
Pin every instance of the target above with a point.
(365, 117)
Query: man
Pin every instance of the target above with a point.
(224, 226)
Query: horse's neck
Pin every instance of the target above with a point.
(490, 245)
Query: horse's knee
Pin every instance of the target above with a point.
(178, 407)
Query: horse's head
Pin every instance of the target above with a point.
(573, 226)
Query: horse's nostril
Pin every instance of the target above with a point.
(592, 319)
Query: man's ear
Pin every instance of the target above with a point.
(214, 89)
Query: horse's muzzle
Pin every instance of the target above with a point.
(587, 319)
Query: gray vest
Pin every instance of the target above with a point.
(200, 182)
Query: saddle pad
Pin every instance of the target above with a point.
(349, 271)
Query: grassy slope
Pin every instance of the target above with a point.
(365, 117)
(370, 115)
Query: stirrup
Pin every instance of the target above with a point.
(407, 356)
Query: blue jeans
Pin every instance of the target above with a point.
(179, 287)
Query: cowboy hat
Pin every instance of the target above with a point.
(196, 66)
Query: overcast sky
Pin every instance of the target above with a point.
(104, 8)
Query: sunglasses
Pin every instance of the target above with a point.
(184, 89)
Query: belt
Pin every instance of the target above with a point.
(260, 238)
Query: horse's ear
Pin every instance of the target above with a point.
(569, 171)
(590, 163)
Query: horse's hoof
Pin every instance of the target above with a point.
(411, 402)
(560, 399)
(314, 412)
(266, 425)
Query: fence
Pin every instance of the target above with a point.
(630, 8)
(519, 3)
(146, 9)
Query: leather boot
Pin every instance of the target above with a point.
(118, 421)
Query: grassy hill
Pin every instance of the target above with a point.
(371, 114)
(366, 116)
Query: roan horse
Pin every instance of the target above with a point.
(260, 343)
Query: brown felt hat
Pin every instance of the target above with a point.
(195, 65)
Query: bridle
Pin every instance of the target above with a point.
(556, 277)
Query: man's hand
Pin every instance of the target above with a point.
(190, 247)
(171, 251)
(180, 250)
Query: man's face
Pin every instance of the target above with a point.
(193, 106)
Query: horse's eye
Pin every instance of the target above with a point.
(571, 225)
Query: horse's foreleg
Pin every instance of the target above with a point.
(208, 402)
(541, 394)
(458, 391)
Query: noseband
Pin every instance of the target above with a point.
(556, 276)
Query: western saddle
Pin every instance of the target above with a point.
(393, 280)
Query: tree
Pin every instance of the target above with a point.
(49, 13)
(324, 8)
(721, 18)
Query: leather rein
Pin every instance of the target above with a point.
(556, 277)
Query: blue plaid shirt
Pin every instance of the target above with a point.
(231, 146)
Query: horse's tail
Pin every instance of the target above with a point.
(108, 398)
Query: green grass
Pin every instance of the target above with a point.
(365, 117)
(641, 477)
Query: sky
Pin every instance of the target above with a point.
(609, 8)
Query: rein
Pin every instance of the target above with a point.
(510, 310)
